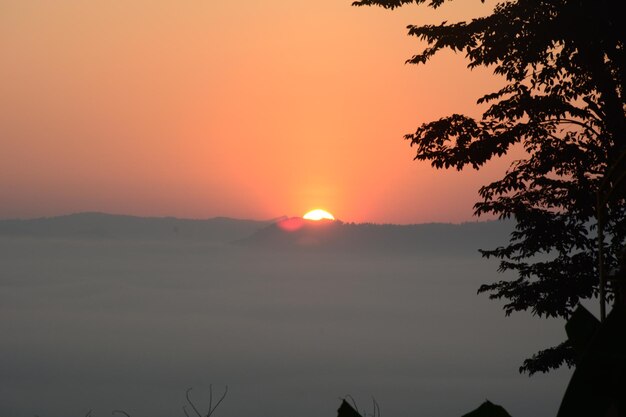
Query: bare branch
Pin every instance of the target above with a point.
(353, 402)
(120, 412)
(185, 411)
(573, 122)
(210, 399)
(219, 402)
(191, 403)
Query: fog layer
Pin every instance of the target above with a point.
(130, 321)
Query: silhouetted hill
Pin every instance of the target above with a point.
(444, 238)
(100, 225)
(282, 233)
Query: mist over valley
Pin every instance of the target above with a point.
(111, 312)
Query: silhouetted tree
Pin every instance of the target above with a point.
(564, 64)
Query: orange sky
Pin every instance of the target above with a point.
(248, 109)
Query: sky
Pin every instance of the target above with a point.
(248, 109)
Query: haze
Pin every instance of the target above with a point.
(105, 313)
(250, 109)
(177, 110)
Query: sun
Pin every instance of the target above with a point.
(318, 214)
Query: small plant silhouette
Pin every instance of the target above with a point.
(347, 410)
(211, 407)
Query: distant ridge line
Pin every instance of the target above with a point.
(266, 221)
(331, 236)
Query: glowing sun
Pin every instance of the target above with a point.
(318, 214)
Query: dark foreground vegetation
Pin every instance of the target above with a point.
(563, 63)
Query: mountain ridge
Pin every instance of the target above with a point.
(118, 226)
(281, 233)
(299, 234)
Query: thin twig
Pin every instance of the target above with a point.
(210, 399)
(185, 411)
(219, 402)
(574, 122)
(353, 402)
(191, 403)
(120, 412)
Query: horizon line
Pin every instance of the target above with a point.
(270, 220)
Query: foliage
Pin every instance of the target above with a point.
(210, 412)
(564, 65)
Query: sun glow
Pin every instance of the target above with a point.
(318, 214)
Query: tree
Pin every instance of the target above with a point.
(564, 62)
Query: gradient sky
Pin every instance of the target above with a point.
(248, 109)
